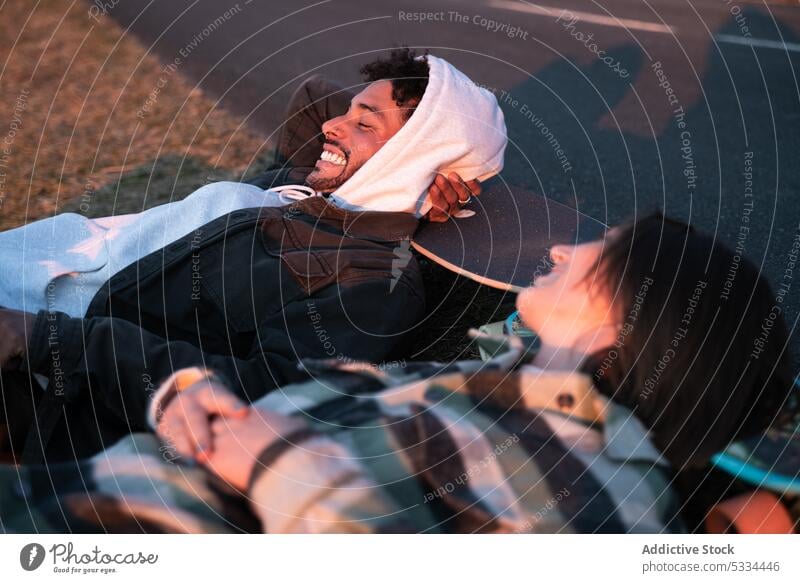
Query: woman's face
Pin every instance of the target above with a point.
(571, 302)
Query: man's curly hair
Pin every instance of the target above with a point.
(408, 75)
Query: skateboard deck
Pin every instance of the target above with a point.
(770, 461)
(506, 243)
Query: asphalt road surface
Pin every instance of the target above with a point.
(612, 106)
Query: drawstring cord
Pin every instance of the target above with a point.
(291, 192)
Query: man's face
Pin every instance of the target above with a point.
(351, 139)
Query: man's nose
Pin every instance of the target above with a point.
(333, 128)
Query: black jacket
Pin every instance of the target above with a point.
(247, 295)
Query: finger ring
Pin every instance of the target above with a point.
(465, 201)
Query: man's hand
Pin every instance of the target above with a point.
(446, 193)
(186, 421)
(239, 442)
(15, 329)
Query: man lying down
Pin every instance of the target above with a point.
(236, 278)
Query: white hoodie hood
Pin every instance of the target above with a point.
(457, 127)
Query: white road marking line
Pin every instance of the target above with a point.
(635, 24)
(758, 42)
(584, 16)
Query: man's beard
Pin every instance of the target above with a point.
(327, 184)
(330, 184)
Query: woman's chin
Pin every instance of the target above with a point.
(526, 306)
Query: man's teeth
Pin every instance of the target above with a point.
(332, 158)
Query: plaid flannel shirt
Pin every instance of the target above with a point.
(496, 446)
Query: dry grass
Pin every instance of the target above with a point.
(80, 104)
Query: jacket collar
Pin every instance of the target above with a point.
(627, 439)
(572, 393)
(369, 225)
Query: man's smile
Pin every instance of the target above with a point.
(332, 156)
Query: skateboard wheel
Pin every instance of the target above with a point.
(758, 512)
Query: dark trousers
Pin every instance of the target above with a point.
(20, 397)
(73, 431)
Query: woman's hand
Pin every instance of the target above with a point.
(187, 418)
(239, 442)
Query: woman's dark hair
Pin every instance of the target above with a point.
(409, 77)
(701, 357)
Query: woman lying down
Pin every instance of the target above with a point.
(652, 356)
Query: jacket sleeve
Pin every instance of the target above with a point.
(121, 364)
(312, 483)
